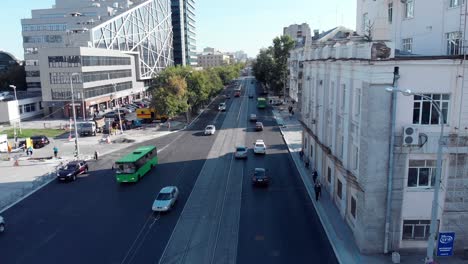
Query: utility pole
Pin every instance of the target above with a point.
(77, 150)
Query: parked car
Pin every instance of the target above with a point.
(166, 199)
(39, 141)
(241, 152)
(222, 107)
(227, 96)
(259, 147)
(72, 170)
(210, 130)
(253, 117)
(259, 126)
(260, 177)
(2, 224)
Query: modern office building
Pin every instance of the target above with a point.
(96, 43)
(300, 33)
(8, 60)
(183, 23)
(382, 181)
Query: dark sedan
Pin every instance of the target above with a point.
(260, 177)
(72, 170)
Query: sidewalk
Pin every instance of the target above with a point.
(339, 233)
(16, 182)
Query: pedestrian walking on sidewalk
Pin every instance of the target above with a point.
(314, 175)
(30, 151)
(55, 151)
(96, 155)
(318, 190)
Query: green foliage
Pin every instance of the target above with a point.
(270, 66)
(177, 89)
(28, 132)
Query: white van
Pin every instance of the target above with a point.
(3, 143)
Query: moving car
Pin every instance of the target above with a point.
(2, 224)
(72, 170)
(222, 107)
(166, 199)
(259, 126)
(241, 152)
(39, 141)
(260, 177)
(210, 130)
(259, 147)
(251, 96)
(253, 117)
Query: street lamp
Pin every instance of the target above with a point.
(435, 201)
(17, 109)
(77, 150)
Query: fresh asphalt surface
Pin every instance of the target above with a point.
(96, 220)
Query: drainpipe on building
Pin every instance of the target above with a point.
(396, 76)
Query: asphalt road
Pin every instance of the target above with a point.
(226, 220)
(96, 220)
(278, 223)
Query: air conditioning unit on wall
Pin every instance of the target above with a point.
(410, 136)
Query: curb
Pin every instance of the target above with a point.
(311, 196)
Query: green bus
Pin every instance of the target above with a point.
(135, 165)
(261, 102)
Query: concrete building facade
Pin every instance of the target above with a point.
(215, 59)
(140, 29)
(299, 32)
(346, 114)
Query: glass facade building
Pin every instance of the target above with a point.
(183, 23)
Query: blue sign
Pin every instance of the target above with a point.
(445, 244)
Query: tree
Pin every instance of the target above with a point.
(170, 93)
(199, 89)
(15, 75)
(271, 65)
(281, 47)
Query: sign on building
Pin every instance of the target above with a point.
(445, 243)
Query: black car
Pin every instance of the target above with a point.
(251, 96)
(72, 170)
(260, 177)
(39, 141)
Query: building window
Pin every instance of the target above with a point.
(20, 108)
(425, 112)
(357, 103)
(355, 158)
(407, 44)
(453, 43)
(30, 107)
(343, 97)
(365, 23)
(329, 175)
(454, 3)
(416, 229)
(353, 207)
(339, 189)
(390, 13)
(421, 173)
(409, 9)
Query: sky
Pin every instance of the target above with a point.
(225, 25)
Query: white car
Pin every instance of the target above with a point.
(222, 107)
(253, 117)
(259, 147)
(241, 152)
(166, 199)
(210, 130)
(2, 225)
